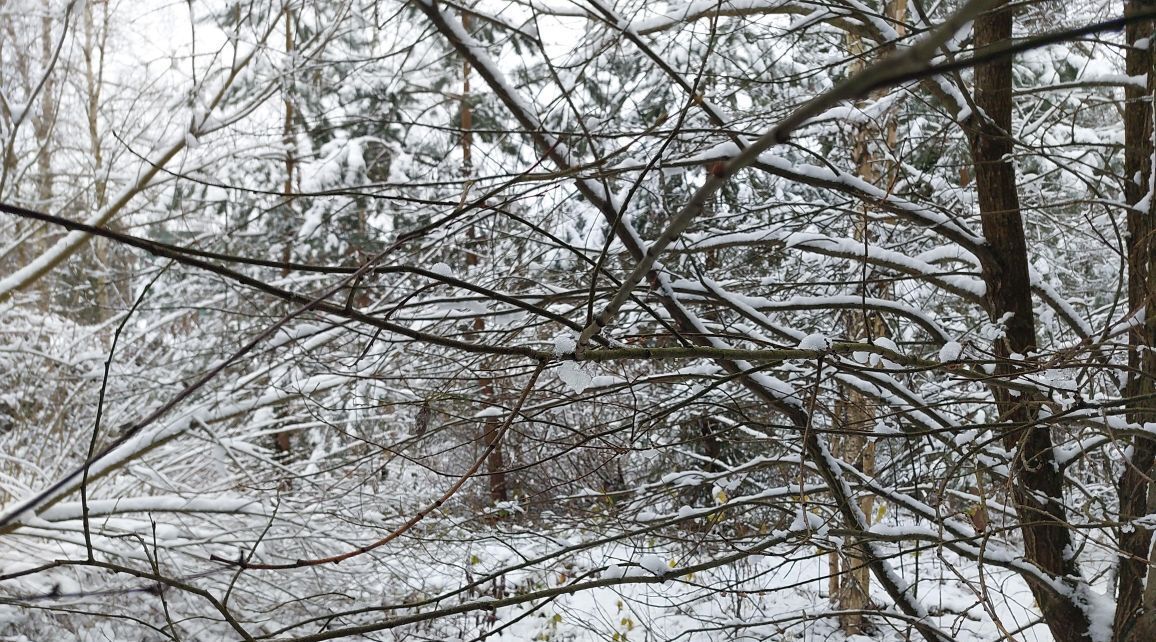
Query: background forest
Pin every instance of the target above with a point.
(577, 320)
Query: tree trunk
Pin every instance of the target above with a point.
(282, 439)
(1135, 600)
(1037, 480)
(850, 572)
(44, 124)
(855, 417)
(496, 461)
(44, 129)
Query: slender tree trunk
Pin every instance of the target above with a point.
(43, 128)
(95, 37)
(94, 83)
(1037, 480)
(1136, 601)
(850, 585)
(282, 439)
(496, 462)
(45, 122)
(18, 62)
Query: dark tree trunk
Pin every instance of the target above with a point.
(1132, 606)
(1037, 483)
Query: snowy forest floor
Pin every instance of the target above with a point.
(780, 595)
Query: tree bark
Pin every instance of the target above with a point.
(855, 416)
(496, 462)
(283, 439)
(44, 124)
(1134, 596)
(1037, 479)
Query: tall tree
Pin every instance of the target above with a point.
(1037, 479)
(873, 145)
(1136, 593)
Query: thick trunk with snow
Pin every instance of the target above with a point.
(1037, 483)
(1136, 597)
